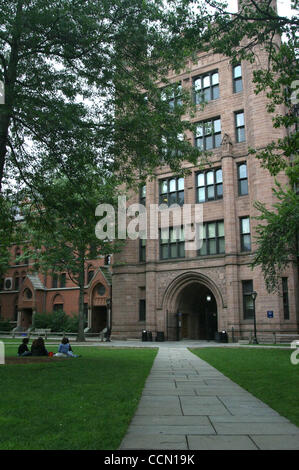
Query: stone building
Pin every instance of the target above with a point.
(161, 287)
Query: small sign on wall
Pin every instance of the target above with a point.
(270, 314)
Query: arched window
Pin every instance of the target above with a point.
(17, 281)
(17, 255)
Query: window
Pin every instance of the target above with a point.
(242, 179)
(172, 94)
(142, 310)
(237, 78)
(206, 87)
(245, 234)
(212, 235)
(285, 296)
(101, 289)
(209, 185)
(142, 249)
(247, 288)
(2, 283)
(58, 307)
(17, 255)
(172, 243)
(172, 191)
(208, 134)
(240, 126)
(17, 282)
(62, 280)
(142, 195)
(54, 281)
(89, 276)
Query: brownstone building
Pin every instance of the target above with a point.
(161, 287)
(23, 293)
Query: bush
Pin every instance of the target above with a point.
(5, 325)
(56, 321)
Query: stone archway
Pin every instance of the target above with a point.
(192, 304)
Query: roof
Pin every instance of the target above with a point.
(35, 281)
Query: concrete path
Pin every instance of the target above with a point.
(188, 404)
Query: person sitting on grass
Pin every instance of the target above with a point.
(38, 348)
(65, 349)
(23, 349)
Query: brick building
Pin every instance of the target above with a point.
(161, 287)
(23, 293)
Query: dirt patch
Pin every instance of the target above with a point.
(33, 359)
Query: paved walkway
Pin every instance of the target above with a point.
(188, 404)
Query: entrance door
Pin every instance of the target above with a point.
(26, 318)
(99, 319)
(199, 320)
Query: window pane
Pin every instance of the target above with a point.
(180, 183)
(180, 198)
(182, 250)
(245, 225)
(164, 252)
(173, 251)
(203, 250)
(197, 84)
(164, 187)
(172, 185)
(172, 198)
(243, 171)
(207, 94)
(199, 130)
(238, 85)
(199, 143)
(212, 230)
(215, 92)
(215, 78)
(240, 119)
(219, 190)
(217, 125)
(206, 81)
(220, 229)
(219, 176)
(200, 179)
(164, 235)
(221, 245)
(243, 187)
(217, 140)
(241, 135)
(201, 195)
(212, 247)
(208, 128)
(247, 287)
(211, 192)
(209, 143)
(237, 71)
(210, 177)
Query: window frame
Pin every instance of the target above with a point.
(208, 239)
(285, 299)
(239, 128)
(177, 243)
(237, 79)
(240, 179)
(198, 96)
(243, 235)
(245, 295)
(206, 186)
(203, 138)
(177, 191)
(142, 310)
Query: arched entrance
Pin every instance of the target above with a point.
(99, 318)
(192, 303)
(197, 313)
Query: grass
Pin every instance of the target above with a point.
(75, 404)
(266, 373)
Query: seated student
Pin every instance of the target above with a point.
(65, 349)
(23, 349)
(38, 348)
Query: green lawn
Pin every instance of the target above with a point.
(83, 403)
(266, 373)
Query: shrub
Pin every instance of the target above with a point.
(56, 321)
(5, 325)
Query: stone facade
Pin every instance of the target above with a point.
(174, 291)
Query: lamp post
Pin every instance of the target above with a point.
(108, 304)
(253, 296)
(208, 299)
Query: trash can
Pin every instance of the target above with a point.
(217, 337)
(149, 336)
(160, 336)
(223, 337)
(144, 335)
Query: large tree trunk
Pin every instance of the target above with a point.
(81, 335)
(9, 88)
